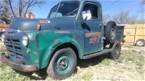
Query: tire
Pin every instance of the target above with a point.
(115, 54)
(110, 32)
(140, 42)
(62, 64)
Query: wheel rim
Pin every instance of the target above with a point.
(64, 63)
(140, 43)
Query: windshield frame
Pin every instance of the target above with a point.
(58, 7)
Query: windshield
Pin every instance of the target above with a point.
(64, 8)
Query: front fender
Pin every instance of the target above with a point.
(58, 42)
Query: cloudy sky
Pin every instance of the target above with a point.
(110, 7)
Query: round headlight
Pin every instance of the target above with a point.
(25, 40)
(2, 37)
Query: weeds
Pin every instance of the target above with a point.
(130, 66)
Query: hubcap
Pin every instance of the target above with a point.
(140, 43)
(62, 63)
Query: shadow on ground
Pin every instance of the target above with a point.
(42, 75)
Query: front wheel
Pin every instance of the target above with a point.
(62, 64)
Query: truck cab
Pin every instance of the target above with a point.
(73, 30)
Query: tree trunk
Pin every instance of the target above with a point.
(20, 8)
(10, 3)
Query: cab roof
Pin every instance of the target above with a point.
(93, 1)
(81, 0)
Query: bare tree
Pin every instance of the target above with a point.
(106, 18)
(123, 17)
(4, 12)
(23, 6)
(143, 1)
(1, 9)
(11, 7)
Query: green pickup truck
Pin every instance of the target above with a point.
(73, 30)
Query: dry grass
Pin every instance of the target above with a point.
(130, 66)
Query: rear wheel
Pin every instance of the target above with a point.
(115, 54)
(62, 64)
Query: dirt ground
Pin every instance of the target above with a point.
(130, 66)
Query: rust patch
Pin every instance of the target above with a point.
(93, 36)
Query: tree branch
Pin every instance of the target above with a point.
(11, 7)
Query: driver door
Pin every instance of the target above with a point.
(92, 28)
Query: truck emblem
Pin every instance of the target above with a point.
(93, 36)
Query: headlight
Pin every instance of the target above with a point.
(2, 37)
(25, 40)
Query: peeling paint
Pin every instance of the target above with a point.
(93, 36)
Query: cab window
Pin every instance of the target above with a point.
(90, 11)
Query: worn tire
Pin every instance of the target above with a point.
(115, 54)
(109, 31)
(62, 64)
(140, 42)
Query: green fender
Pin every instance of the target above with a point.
(44, 61)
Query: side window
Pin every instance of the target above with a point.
(90, 11)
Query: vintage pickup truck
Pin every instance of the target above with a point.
(73, 30)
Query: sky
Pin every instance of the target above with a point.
(110, 7)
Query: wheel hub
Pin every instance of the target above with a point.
(62, 63)
(140, 43)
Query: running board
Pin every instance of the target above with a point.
(101, 53)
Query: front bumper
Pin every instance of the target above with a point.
(18, 66)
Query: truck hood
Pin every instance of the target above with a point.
(24, 24)
(30, 24)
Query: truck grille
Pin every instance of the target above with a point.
(14, 46)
